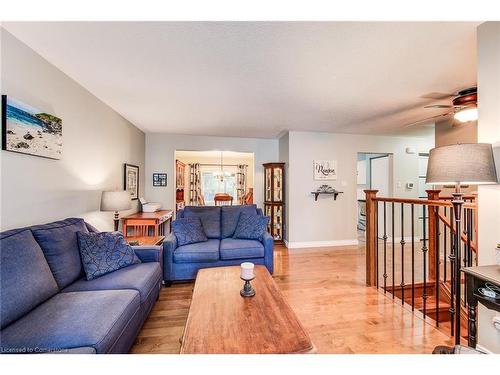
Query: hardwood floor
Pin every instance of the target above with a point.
(325, 287)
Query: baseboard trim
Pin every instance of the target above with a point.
(296, 245)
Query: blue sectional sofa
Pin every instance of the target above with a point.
(47, 305)
(219, 224)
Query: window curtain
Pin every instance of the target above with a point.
(194, 184)
(241, 182)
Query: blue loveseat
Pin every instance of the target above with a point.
(219, 224)
(47, 305)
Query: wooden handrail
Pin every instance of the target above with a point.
(450, 197)
(426, 202)
(446, 222)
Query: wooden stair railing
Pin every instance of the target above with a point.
(410, 252)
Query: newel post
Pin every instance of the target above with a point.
(433, 233)
(371, 236)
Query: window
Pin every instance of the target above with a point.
(211, 183)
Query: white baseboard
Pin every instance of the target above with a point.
(296, 245)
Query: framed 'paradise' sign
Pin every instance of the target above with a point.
(325, 169)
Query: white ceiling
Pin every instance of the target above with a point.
(258, 79)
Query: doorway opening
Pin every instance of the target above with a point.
(209, 178)
(374, 172)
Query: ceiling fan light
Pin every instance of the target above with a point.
(466, 115)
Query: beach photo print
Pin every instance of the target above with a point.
(28, 130)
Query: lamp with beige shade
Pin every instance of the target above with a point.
(118, 200)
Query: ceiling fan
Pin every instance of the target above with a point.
(463, 107)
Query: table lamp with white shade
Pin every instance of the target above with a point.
(116, 201)
(460, 164)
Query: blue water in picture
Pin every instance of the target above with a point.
(21, 116)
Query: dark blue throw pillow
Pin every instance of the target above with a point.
(251, 227)
(188, 230)
(104, 252)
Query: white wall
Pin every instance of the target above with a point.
(160, 157)
(488, 74)
(96, 143)
(328, 222)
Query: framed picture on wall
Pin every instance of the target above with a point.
(159, 179)
(131, 180)
(28, 130)
(325, 169)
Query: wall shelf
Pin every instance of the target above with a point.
(334, 193)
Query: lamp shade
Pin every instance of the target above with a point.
(468, 163)
(115, 201)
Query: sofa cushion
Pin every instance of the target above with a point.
(25, 276)
(72, 320)
(231, 248)
(198, 252)
(230, 216)
(188, 230)
(209, 216)
(251, 227)
(60, 245)
(143, 277)
(104, 252)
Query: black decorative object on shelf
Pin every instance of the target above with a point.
(326, 189)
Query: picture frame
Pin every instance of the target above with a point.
(325, 170)
(30, 131)
(159, 179)
(131, 180)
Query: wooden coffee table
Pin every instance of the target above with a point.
(221, 321)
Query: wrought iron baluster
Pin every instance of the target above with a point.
(444, 245)
(468, 247)
(376, 243)
(469, 236)
(452, 272)
(412, 256)
(402, 255)
(393, 246)
(438, 261)
(385, 248)
(464, 231)
(424, 254)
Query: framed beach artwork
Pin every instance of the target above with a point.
(131, 180)
(28, 130)
(325, 169)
